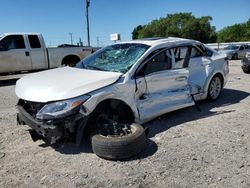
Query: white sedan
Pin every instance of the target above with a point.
(126, 82)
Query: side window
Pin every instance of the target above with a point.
(195, 53)
(159, 62)
(209, 52)
(34, 41)
(13, 42)
(180, 54)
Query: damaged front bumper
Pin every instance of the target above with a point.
(52, 131)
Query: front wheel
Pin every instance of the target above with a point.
(214, 89)
(120, 144)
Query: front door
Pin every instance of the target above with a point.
(162, 84)
(15, 56)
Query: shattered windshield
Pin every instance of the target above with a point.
(114, 58)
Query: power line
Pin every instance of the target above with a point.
(71, 38)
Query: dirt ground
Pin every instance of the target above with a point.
(186, 148)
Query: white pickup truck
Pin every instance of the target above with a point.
(27, 52)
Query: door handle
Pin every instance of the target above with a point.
(181, 78)
(27, 53)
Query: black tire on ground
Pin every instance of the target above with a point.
(246, 69)
(214, 88)
(119, 147)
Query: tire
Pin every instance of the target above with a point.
(214, 88)
(246, 69)
(119, 147)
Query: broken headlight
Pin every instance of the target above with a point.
(61, 109)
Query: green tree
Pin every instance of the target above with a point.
(235, 33)
(183, 25)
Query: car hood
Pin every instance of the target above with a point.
(62, 83)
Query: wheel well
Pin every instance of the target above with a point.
(70, 60)
(221, 77)
(114, 106)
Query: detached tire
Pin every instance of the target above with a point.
(119, 147)
(246, 69)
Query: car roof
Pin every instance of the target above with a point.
(160, 41)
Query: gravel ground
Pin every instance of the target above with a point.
(186, 148)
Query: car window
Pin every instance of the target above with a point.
(195, 53)
(159, 62)
(34, 41)
(180, 54)
(114, 58)
(241, 48)
(231, 47)
(13, 42)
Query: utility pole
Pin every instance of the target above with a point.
(71, 39)
(87, 17)
(97, 41)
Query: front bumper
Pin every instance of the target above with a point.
(51, 131)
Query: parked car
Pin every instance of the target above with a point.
(236, 51)
(246, 63)
(27, 52)
(123, 83)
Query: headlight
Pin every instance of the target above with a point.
(61, 108)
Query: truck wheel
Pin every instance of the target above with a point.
(246, 69)
(214, 88)
(118, 143)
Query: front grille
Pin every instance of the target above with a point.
(30, 107)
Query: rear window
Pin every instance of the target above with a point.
(34, 41)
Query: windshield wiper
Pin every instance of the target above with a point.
(95, 68)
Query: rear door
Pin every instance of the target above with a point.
(37, 53)
(15, 56)
(200, 66)
(162, 84)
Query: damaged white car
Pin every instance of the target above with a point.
(117, 87)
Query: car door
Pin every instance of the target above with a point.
(242, 51)
(162, 84)
(199, 66)
(15, 56)
(37, 53)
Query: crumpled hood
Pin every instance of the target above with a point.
(62, 83)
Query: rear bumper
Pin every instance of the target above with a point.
(51, 131)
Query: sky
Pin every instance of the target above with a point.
(56, 19)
